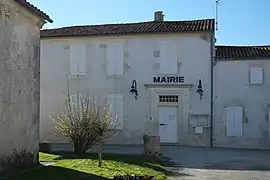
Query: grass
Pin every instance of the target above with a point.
(70, 166)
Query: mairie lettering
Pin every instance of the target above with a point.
(168, 79)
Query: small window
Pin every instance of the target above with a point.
(256, 75)
(170, 98)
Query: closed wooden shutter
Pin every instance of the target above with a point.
(115, 61)
(115, 101)
(234, 118)
(73, 103)
(238, 121)
(168, 58)
(256, 75)
(78, 65)
(76, 104)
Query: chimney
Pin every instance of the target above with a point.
(159, 16)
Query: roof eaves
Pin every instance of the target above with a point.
(242, 58)
(34, 9)
(117, 34)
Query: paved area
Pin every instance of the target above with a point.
(192, 163)
(210, 174)
(218, 164)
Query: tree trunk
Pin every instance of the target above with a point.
(77, 147)
(100, 155)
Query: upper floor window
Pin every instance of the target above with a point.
(168, 58)
(77, 60)
(115, 59)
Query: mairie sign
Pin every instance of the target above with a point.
(168, 79)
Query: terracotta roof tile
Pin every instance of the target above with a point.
(34, 9)
(242, 52)
(132, 28)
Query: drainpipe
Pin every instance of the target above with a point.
(212, 87)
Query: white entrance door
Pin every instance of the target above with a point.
(168, 124)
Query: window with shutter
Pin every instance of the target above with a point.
(115, 101)
(256, 75)
(168, 58)
(115, 61)
(76, 104)
(234, 118)
(78, 59)
(73, 103)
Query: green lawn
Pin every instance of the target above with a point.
(69, 166)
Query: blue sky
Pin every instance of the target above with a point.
(241, 22)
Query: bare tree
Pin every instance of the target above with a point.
(86, 123)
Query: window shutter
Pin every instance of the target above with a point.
(115, 63)
(73, 103)
(269, 121)
(256, 75)
(230, 121)
(77, 59)
(110, 61)
(119, 58)
(73, 65)
(234, 117)
(76, 104)
(115, 101)
(119, 111)
(80, 105)
(238, 121)
(168, 58)
(82, 60)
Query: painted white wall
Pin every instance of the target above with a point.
(194, 55)
(232, 88)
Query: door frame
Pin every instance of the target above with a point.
(152, 125)
(177, 117)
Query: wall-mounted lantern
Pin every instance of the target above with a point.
(199, 90)
(133, 89)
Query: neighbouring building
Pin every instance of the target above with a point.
(20, 25)
(169, 62)
(241, 98)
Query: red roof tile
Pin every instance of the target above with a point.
(150, 27)
(34, 9)
(242, 52)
